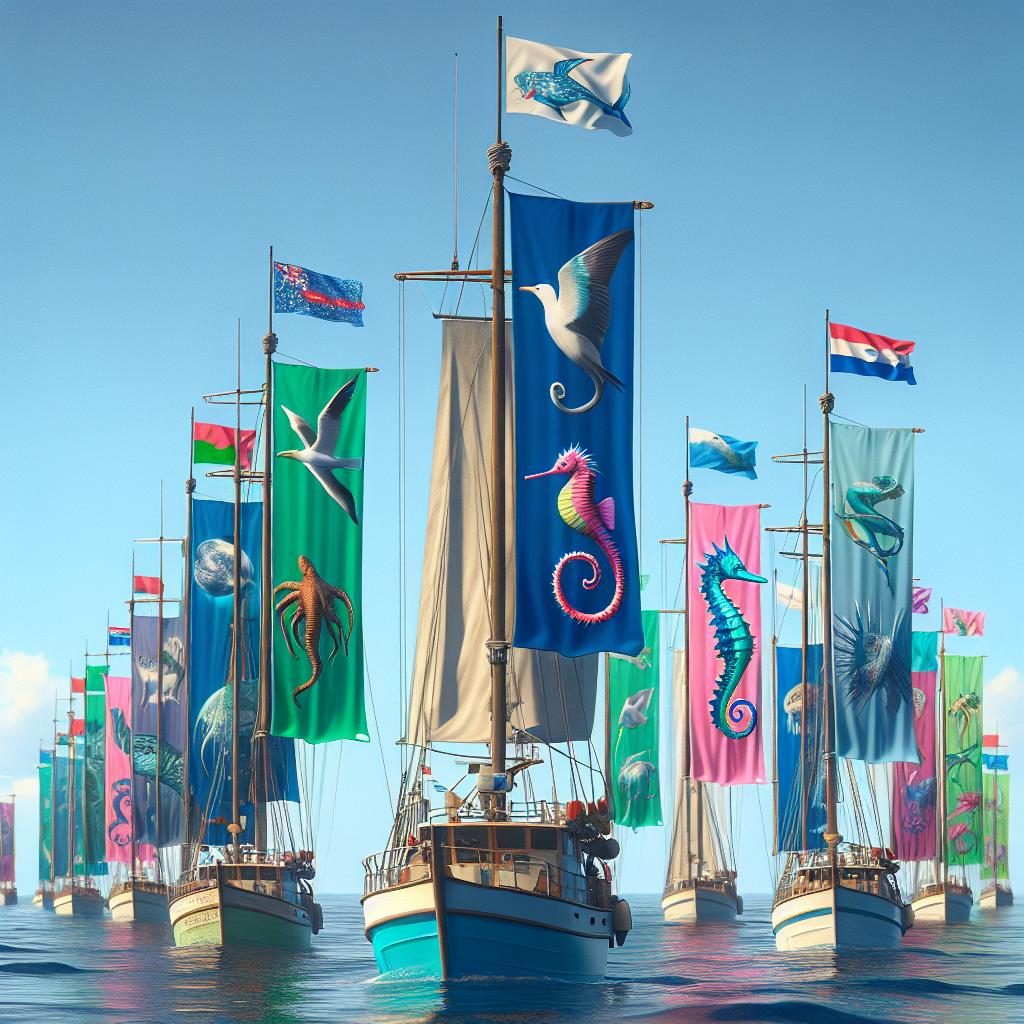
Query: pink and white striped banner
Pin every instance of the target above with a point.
(724, 630)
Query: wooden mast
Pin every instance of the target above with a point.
(804, 631)
(940, 759)
(499, 157)
(236, 597)
(832, 836)
(71, 781)
(159, 681)
(687, 779)
(136, 867)
(186, 608)
(53, 800)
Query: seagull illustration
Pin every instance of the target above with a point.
(318, 454)
(577, 317)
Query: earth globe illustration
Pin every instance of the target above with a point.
(214, 568)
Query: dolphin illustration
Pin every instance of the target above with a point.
(555, 89)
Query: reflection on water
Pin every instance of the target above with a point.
(59, 969)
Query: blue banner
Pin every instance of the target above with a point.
(872, 582)
(211, 614)
(577, 576)
(995, 762)
(794, 783)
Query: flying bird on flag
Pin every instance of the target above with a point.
(922, 595)
(852, 350)
(709, 450)
(589, 90)
(298, 290)
(957, 622)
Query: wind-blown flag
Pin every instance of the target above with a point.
(577, 573)
(724, 632)
(78, 684)
(789, 597)
(957, 622)
(214, 445)
(78, 727)
(990, 740)
(995, 762)
(922, 595)
(709, 450)
(589, 90)
(147, 585)
(119, 636)
(872, 531)
(298, 290)
(869, 355)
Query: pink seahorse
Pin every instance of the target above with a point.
(579, 511)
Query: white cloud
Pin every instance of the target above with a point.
(1004, 705)
(27, 787)
(25, 687)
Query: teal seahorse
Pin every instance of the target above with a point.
(733, 641)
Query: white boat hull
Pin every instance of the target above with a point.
(839, 918)
(79, 904)
(944, 908)
(486, 931)
(692, 906)
(993, 898)
(139, 905)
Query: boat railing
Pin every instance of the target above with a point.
(542, 812)
(267, 879)
(858, 868)
(722, 885)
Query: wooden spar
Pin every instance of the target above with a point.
(159, 682)
(186, 610)
(236, 606)
(832, 836)
(497, 647)
(805, 611)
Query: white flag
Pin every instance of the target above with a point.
(586, 89)
(790, 597)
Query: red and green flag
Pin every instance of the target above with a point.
(215, 445)
(147, 585)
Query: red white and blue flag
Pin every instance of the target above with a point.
(298, 290)
(119, 636)
(871, 355)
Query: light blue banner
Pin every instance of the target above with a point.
(872, 581)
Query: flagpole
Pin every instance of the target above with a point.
(499, 157)
(71, 781)
(190, 486)
(832, 836)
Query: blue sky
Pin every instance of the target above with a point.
(801, 155)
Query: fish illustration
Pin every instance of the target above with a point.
(868, 661)
(555, 89)
(636, 780)
(634, 709)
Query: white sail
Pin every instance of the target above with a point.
(551, 698)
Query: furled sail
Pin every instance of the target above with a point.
(551, 698)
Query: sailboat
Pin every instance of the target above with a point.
(235, 889)
(995, 872)
(43, 896)
(8, 888)
(700, 883)
(488, 884)
(77, 895)
(845, 894)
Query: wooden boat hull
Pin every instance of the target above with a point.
(994, 898)
(487, 931)
(43, 898)
(699, 904)
(81, 903)
(225, 915)
(839, 918)
(946, 907)
(131, 904)
(8, 897)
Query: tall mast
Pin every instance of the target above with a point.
(131, 732)
(499, 157)
(53, 796)
(236, 627)
(804, 630)
(687, 780)
(159, 679)
(260, 752)
(71, 778)
(832, 836)
(995, 816)
(186, 609)
(940, 758)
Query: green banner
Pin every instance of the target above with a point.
(962, 683)
(633, 722)
(95, 759)
(997, 825)
(319, 443)
(45, 815)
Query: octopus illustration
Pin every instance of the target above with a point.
(880, 536)
(869, 660)
(965, 709)
(314, 599)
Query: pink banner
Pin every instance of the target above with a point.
(7, 842)
(724, 628)
(913, 795)
(118, 784)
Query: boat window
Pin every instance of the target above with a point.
(544, 838)
(468, 841)
(511, 838)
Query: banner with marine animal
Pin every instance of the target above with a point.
(45, 771)
(7, 841)
(914, 786)
(95, 755)
(965, 827)
(997, 810)
(724, 633)
(800, 822)
(577, 574)
(118, 773)
(211, 619)
(319, 443)
(59, 818)
(633, 724)
(872, 582)
(139, 736)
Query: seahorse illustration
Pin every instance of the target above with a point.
(580, 512)
(733, 641)
(879, 535)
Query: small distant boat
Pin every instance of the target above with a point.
(996, 896)
(138, 899)
(79, 900)
(946, 902)
(8, 890)
(43, 897)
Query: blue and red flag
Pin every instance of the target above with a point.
(852, 350)
(298, 290)
(119, 636)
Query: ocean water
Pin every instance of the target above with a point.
(55, 970)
